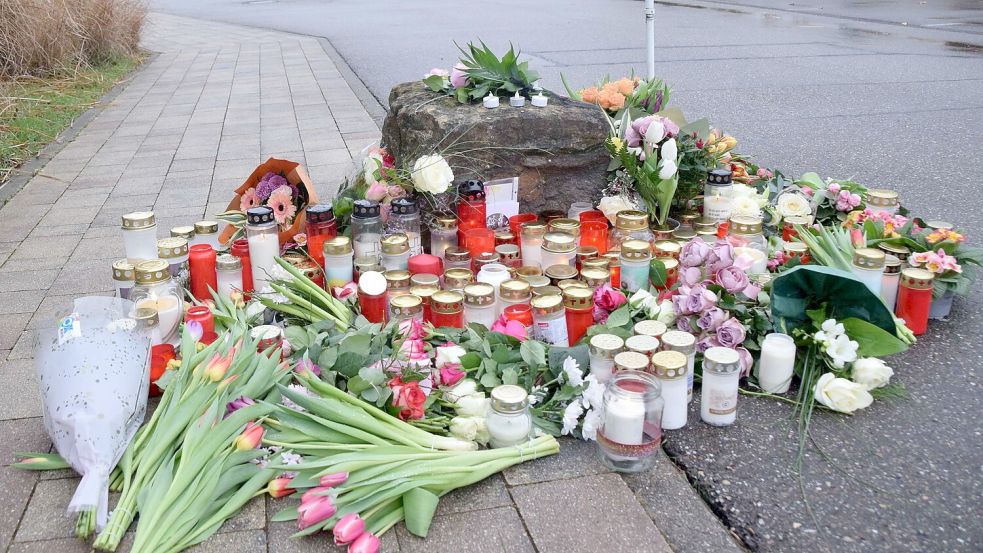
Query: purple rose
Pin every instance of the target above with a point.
(459, 77)
(700, 299)
(732, 279)
(746, 361)
(706, 343)
(721, 255)
(672, 129)
(731, 333)
(686, 323)
(690, 276)
(636, 131)
(712, 319)
(694, 253)
(679, 305)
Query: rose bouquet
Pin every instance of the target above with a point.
(831, 200)
(628, 93)
(480, 72)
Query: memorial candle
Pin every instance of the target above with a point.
(372, 297)
(204, 278)
(777, 363)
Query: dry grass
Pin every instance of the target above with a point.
(45, 37)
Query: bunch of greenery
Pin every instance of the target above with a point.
(486, 74)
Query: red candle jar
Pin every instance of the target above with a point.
(479, 240)
(672, 274)
(592, 215)
(515, 222)
(505, 237)
(788, 227)
(201, 261)
(915, 299)
(160, 355)
(471, 208)
(425, 292)
(240, 249)
(372, 297)
(426, 264)
(798, 250)
(594, 233)
(614, 265)
(584, 253)
(202, 315)
(321, 226)
(578, 303)
(520, 312)
(447, 309)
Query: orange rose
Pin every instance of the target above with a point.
(589, 95)
(625, 86)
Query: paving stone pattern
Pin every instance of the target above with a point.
(212, 102)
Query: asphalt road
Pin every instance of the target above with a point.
(886, 92)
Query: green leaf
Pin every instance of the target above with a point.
(419, 505)
(470, 360)
(657, 274)
(348, 363)
(533, 353)
(297, 336)
(40, 461)
(874, 341)
(327, 358)
(622, 315)
(356, 343)
(490, 380)
(434, 82)
(809, 287)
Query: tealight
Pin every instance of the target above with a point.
(539, 100)
(517, 101)
(490, 101)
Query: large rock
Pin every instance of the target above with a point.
(557, 152)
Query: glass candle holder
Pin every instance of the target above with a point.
(549, 320)
(184, 231)
(479, 240)
(585, 253)
(868, 267)
(366, 229)
(321, 227)
(509, 255)
(404, 218)
(503, 237)
(670, 371)
(531, 241)
(666, 249)
(592, 215)
(264, 245)
(557, 273)
(123, 277)
(672, 274)
(338, 256)
(425, 292)
(595, 278)
(156, 290)
(578, 304)
(717, 195)
(206, 232)
(482, 259)
(646, 345)
(721, 373)
(629, 225)
(175, 251)
(595, 234)
(240, 249)
(424, 279)
(890, 281)
(202, 315)
(630, 434)
(425, 264)
(514, 292)
(396, 252)
(521, 313)
(635, 258)
(204, 278)
(568, 226)
(443, 233)
(899, 251)
(576, 208)
(228, 269)
(792, 250)
(683, 342)
(479, 304)
(602, 349)
(788, 226)
(516, 222)
(471, 209)
(508, 420)
(494, 274)
(372, 297)
(559, 248)
(447, 308)
(406, 308)
(882, 200)
(457, 279)
(614, 265)
(456, 257)
(397, 283)
(915, 299)
(140, 236)
(777, 363)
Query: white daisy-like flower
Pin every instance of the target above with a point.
(571, 416)
(592, 422)
(593, 396)
(830, 330)
(291, 458)
(842, 350)
(575, 376)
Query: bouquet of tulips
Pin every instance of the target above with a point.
(297, 297)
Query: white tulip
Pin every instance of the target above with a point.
(448, 354)
(669, 150)
(840, 394)
(465, 428)
(474, 405)
(655, 133)
(463, 388)
(871, 372)
(668, 169)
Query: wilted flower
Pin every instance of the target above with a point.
(238, 403)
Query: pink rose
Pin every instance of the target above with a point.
(833, 188)
(694, 253)
(412, 329)
(376, 192)
(396, 191)
(807, 190)
(712, 319)
(458, 76)
(721, 255)
(514, 329)
(732, 279)
(608, 298)
(746, 361)
(344, 292)
(600, 315)
(450, 374)
(731, 333)
(691, 276)
(415, 352)
(436, 71)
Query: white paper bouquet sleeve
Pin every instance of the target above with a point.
(93, 374)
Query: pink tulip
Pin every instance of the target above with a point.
(250, 438)
(315, 511)
(280, 487)
(217, 367)
(333, 479)
(366, 543)
(857, 237)
(348, 529)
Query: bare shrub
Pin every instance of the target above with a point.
(41, 37)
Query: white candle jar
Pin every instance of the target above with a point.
(777, 363)
(508, 420)
(670, 371)
(549, 320)
(868, 267)
(629, 225)
(229, 274)
(264, 245)
(721, 374)
(206, 232)
(746, 232)
(635, 259)
(338, 258)
(406, 308)
(717, 195)
(140, 236)
(685, 343)
(531, 243)
(479, 304)
(559, 248)
(890, 281)
(456, 257)
(443, 234)
(156, 290)
(175, 252)
(366, 228)
(405, 218)
(602, 349)
(882, 200)
(630, 434)
(514, 292)
(396, 252)
(494, 274)
(123, 277)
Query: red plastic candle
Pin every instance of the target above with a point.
(515, 222)
(372, 297)
(160, 355)
(201, 261)
(915, 299)
(321, 226)
(447, 309)
(594, 233)
(203, 316)
(520, 312)
(471, 211)
(426, 264)
(579, 306)
(479, 241)
(592, 215)
(240, 249)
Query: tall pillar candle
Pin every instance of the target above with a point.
(777, 363)
(264, 245)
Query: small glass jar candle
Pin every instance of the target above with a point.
(527, 271)
(494, 274)
(592, 215)
(425, 292)
(479, 304)
(717, 195)
(602, 348)
(156, 290)
(777, 363)
(424, 279)
(531, 242)
(147, 318)
(746, 232)
(667, 249)
(123, 277)
(536, 282)
(443, 233)
(404, 218)
(204, 278)
(484, 258)
(267, 337)
(185, 231)
(175, 252)
(447, 308)
(629, 225)
(366, 229)
(584, 253)
(635, 259)
(595, 278)
(140, 236)
(338, 256)
(321, 227)
(788, 226)
(631, 361)
(578, 304)
(915, 299)
(630, 434)
(363, 265)
(406, 307)
(457, 279)
(372, 297)
(672, 274)
(707, 235)
(651, 328)
(868, 267)
(601, 262)
(479, 240)
(686, 220)
(206, 232)
(547, 291)
(456, 257)
(264, 245)
(307, 266)
(670, 370)
(557, 273)
(516, 221)
(397, 283)
(508, 420)
(897, 250)
(471, 209)
(792, 250)
(559, 248)
(594, 234)
(640, 343)
(882, 200)
(890, 281)
(683, 235)
(576, 208)
(685, 343)
(240, 249)
(514, 292)
(549, 320)
(571, 283)
(396, 252)
(614, 265)
(721, 373)
(229, 270)
(568, 226)
(503, 236)
(509, 255)
(201, 314)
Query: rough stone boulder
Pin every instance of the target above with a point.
(557, 152)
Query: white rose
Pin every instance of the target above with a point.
(449, 354)
(465, 428)
(370, 165)
(463, 388)
(667, 315)
(432, 174)
(474, 405)
(611, 205)
(745, 206)
(871, 372)
(840, 394)
(792, 204)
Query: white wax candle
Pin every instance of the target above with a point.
(777, 363)
(718, 402)
(624, 421)
(716, 208)
(507, 430)
(539, 100)
(532, 251)
(674, 394)
(263, 248)
(490, 101)
(759, 264)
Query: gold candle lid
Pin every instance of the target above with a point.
(549, 290)
(677, 340)
(571, 283)
(569, 226)
(424, 291)
(123, 270)
(939, 225)
(595, 263)
(515, 289)
(631, 361)
(186, 232)
(586, 252)
(917, 279)
(705, 224)
(485, 258)
(447, 302)
(635, 250)
(395, 244)
(171, 248)
(646, 345)
(897, 250)
(614, 259)
(152, 272)
(458, 278)
(559, 242)
(605, 345)
(456, 254)
(683, 235)
(795, 249)
(526, 271)
(868, 258)
(206, 227)
(533, 229)
(667, 248)
(594, 277)
(744, 225)
(892, 265)
(425, 279)
(720, 360)
(578, 298)
(228, 262)
(397, 279)
(650, 328)
(445, 221)
(508, 253)
(406, 305)
(339, 245)
(546, 305)
(670, 365)
(479, 294)
(139, 220)
(559, 272)
(798, 220)
(509, 398)
(146, 317)
(631, 220)
(536, 281)
(881, 197)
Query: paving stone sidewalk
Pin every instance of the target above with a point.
(212, 102)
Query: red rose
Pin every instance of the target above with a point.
(409, 398)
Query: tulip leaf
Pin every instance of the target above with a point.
(419, 506)
(873, 340)
(40, 461)
(290, 513)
